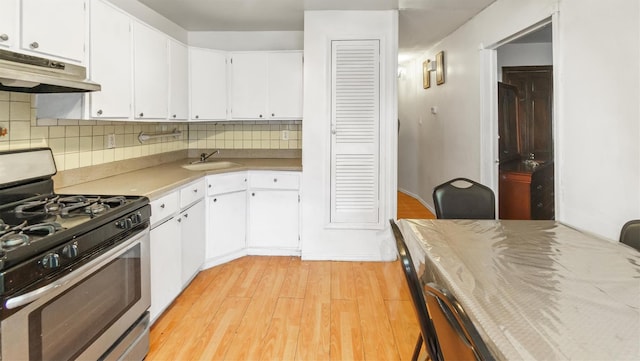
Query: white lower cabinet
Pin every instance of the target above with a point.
(166, 282)
(254, 212)
(227, 225)
(177, 243)
(193, 243)
(226, 217)
(273, 219)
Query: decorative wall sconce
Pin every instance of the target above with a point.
(426, 73)
(436, 65)
(440, 68)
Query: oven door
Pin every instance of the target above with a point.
(82, 315)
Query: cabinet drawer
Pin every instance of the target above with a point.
(274, 180)
(226, 183)
(191, 193)
(164, 207)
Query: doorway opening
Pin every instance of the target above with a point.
(525, 127)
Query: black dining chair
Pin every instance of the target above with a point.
(471, 201)
(460, 339)
(630, 234)
(427, 332)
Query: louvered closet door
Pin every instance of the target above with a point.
(355, 124)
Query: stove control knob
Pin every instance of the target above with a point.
(70, 251)
(136, 218)
(51, 261)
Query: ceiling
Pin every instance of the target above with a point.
(421, 22)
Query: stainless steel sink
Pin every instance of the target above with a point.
(211, 165)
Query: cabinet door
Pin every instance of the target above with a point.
(166, 272)
(208, 78)
(110, 61)
(178, 81)
(193, 242)
(285, 85)
(249, 85)
(150, 72)
(54, 27)
(8, 23)
(226, 224)
(273, 219)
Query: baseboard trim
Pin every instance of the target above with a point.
(425, 204)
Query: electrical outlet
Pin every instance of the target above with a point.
(284, 135)
(110, 141)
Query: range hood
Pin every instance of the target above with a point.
(31, 74)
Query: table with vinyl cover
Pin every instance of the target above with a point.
(535, 290)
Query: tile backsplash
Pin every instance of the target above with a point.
(80, 143)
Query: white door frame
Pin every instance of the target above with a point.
(489, 108)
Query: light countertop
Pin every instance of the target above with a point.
(156, 181)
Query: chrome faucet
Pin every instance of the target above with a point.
(205, 156)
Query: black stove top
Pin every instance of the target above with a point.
(37, 224)
(43, 234)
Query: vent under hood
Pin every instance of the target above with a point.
(31, 74)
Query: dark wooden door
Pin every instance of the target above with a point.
(509, 142)
(535, 93)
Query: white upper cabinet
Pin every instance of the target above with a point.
(208, 83)
(150, 73)
(54, 28)
(8, 23)
(266, 85)
(249, 85)
(285, 85)
(178, 81)
(110, 62)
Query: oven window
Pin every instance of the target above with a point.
(64, 327)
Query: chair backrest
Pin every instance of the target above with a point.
(417, 296)
(630, 234)
(459, 339)
(473, 202)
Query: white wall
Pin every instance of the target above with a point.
(529, 54)
(151, 17)
(597, 115)
(318, 240)
(247, 40)
(599, 119)
(409, 116)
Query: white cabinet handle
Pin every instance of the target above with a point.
(195, 190)
(162, 205)
(34, 45)
(141, 115)
(99, 111)
(275, 180)
(4, 37)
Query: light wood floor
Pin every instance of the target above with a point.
(282, 308)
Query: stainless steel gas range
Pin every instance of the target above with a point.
(74, 269)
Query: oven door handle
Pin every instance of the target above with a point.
(86, 270)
